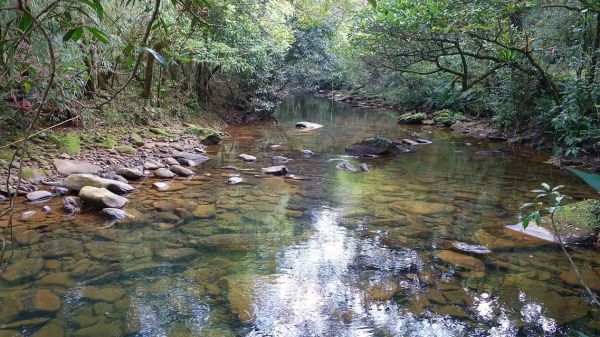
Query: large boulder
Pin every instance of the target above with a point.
(378, 146)
(130, 173)
(100, 198)
(66, 167)
(77, 181)
(577, 223)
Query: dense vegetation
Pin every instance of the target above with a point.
(529, 66)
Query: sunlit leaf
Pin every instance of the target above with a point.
(159, 58)
(546, 186)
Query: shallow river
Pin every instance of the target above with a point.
(336, 254)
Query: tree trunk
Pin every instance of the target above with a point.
(594, 60)
(149, 72)
(90, 84)
(204, 74)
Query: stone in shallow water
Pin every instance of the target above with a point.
(475, 249)
(76, 182)
(591, 278)
(275, 170)
(176, 254)
(160, 186)
(164, 173)
(100, 330)
(205, 211)
(101, 198)
(46, 301)
(115, 213)
(57, 279)
(39, 196)
(181, 171)
(235, 180)
(307, 153)
(461, 260)
(241, 298)
(130, 173)
(107, 294)
(60, 247)
(382, 291)
(308, 126)
(346, 166)
(27, 237)
(247, 158)
(22, 270)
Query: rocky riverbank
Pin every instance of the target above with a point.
(479, 128)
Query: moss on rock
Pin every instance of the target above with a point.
(125, 149)
(446, 117)
(208, 136)
(412, 118)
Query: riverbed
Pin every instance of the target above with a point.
(329, 253)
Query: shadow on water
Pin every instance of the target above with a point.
(336, 254)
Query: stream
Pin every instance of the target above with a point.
(335, 253)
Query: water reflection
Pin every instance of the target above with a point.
(336, 254)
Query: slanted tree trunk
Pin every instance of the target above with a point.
(90, 84)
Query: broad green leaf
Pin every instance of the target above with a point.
(591, 179)
(98, 34)
(546, 186)
(373, 3)
(557, 187)
(99, 9)
(73, 35)
(527, 204)
(25, 22)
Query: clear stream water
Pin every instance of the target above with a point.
(337, 254)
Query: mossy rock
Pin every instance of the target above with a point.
(125, 149)
(107, 141)
(377, 146)
(34, 175)
(158, 131)
(69, 144)
(580, 214)
(446, 117)
(412, 118)
(207, 136)
(136, 139)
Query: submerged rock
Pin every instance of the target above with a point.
(71, 204)
(378, 146)
(66, 167)
(275, 170)
(474, 249)
(461, 260)
(307, 153)
(22, 270)
(308, 126)
(101, 198)
(364, 167)
(176, 254)
(115, 213)
(346, 166)
(76, 182)
(39, 196)
(280, 159)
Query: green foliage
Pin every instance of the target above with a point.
(446, 117)
(69, 144)
(412, 118)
